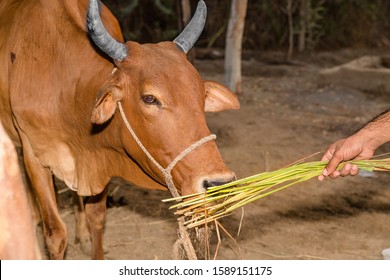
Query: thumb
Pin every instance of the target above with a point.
(332, 165)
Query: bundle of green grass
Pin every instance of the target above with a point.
(220, 201)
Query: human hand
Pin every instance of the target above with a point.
(357, 146)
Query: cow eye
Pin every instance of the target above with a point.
(150, 99)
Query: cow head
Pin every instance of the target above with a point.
(165, 100)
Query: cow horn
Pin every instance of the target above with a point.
(100, 36)
(188, 37)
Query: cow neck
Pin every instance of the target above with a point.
(165, 171)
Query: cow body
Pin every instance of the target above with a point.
(49, 95)
(53, 79)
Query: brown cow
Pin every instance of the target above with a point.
(86, 111)
(17, 235)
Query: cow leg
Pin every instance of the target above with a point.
(36, 218)
(95, 210)
(29, 190)
(54, 228)
(82, 232)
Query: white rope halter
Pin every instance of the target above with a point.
(165, 171)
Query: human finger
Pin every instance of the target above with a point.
(332, 165)
(334, 174)
(354, 170)
(346, 170)
(321, 178)
(328, 154)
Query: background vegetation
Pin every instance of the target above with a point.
(329, 24)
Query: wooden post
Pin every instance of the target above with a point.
(17, 234)
(233, 48)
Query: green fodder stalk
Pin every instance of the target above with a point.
(220, 201)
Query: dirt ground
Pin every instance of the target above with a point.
(285, 115)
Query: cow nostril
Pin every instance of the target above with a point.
(206, 184)
(211, 183)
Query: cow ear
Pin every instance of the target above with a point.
(219, 98)
(106, 103)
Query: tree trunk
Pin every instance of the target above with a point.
(233, 46)
(290, 30)
(302, 27)
(185, 17)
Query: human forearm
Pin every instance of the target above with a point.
(377, 131)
